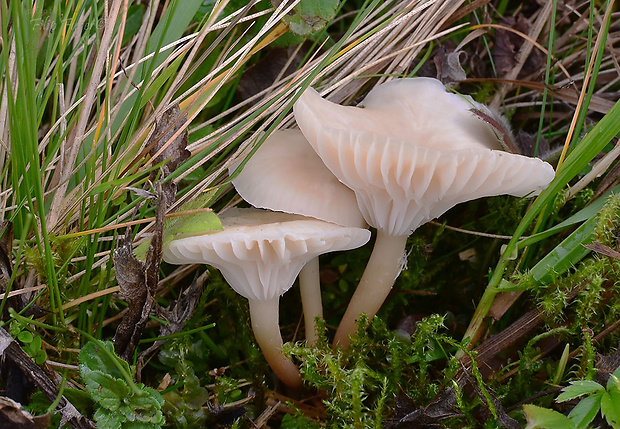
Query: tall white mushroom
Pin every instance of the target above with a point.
(410, 151)
(285, 174)
(260, 254)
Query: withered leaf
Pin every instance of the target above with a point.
(603, 250)
(606, 365)
(6, 244)
(409, 416)
(166, 127)
(14, 416)
(278, 62)
(174, 151)
(448, 63)
(610, 180)
(506, 46)
(138, 282)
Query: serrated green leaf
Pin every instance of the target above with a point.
(108, 420)
(610, 408)
(579, 388)
(93, 358)
(106, 390)
(585, 411)
(311, 16)
(544, 418)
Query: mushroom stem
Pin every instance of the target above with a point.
(384, 266)
(310, 288)
(264, 316)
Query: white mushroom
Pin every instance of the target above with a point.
(410, 152)
(285, 174)
(260, 254)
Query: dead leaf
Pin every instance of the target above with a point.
(500, 127)
(165, 148)
(279, 62)
(507, 44)
(14, 416)
(138, 282)
(603, 250)
(448, 63)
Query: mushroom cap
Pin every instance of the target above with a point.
(285, 174)
(260, 253)
(413, 151)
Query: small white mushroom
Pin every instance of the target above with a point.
(260, 254)
(285, 174)
(410, 152)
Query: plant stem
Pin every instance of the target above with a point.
(382, 270)
(310, 288)
(264, 316)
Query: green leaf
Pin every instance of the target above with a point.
(40, 357)
(613, 384)
(147, 407)
(193, 224)
(311, 16)
(585, 411)
(610, 408)
(108, 420)
(106, 390)
(187, 225)
(36, 343)
(579, 388)
(25, 337)
(544, 418)
(93, 358)
(298, 422)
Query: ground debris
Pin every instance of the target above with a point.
(11, 350)
(14, 416)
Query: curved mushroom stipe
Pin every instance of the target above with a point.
(260, 254)
(264, 317)
(384, 266)
(410, 152)
(285, 174)
(310, 290)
